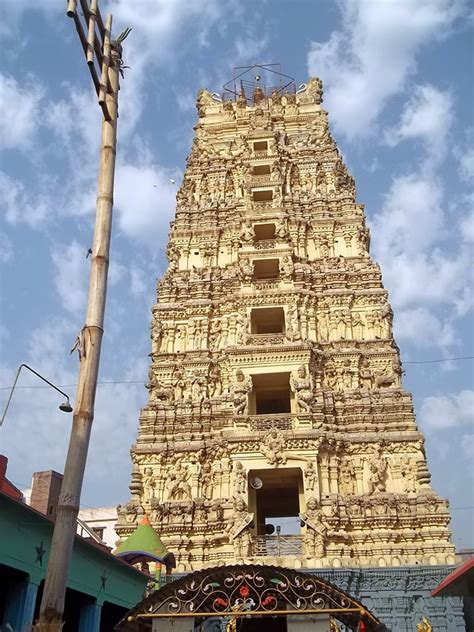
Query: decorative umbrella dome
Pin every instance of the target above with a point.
(145, 545)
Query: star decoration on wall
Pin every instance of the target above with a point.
(103, 580)
(40, 551)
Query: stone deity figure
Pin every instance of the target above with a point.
(408, 473)
(363, 241)
(243, 328)
(365, 375)
(286, 268)
(273, 447)
(148, 482)
(302, 386)
(215, 381)
(347, 479)
(246, 269)
(215, 334)
(378, 323)
(281, 230)
(310, 477)
(205, 480)
(378, 470)
(323, 326)
(179, 383)
(178, 486)
(358, 326)
(239, 530)
(191, 334)
(276, 172)
(157, 335)
(247, 234)
(240, 389)
(314, 539)
(292, 325)
(240, 479)
(199, 389)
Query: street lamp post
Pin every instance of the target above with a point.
(106, 55)
(65, 406)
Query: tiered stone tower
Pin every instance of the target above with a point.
(275, 382)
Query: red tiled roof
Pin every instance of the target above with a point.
(459, 583)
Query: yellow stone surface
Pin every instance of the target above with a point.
(275, 382)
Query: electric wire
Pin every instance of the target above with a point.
(112, 382)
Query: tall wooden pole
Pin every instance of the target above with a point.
(89, 346)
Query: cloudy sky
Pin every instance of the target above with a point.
(398, 81)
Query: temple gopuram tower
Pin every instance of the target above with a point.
(275, 383)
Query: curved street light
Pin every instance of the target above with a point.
(65, 406)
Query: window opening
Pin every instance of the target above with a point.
(262, 195)
(277, 501)
(261, 170)
(268, 320)
(264, 231)
(271, 394)
(260, 145)
(266, 268)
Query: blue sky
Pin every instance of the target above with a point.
(398, 82)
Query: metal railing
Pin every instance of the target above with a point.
(278, 545)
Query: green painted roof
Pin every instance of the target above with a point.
(145, 545)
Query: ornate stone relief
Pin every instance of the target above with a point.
(348, 426)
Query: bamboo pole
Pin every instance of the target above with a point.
(86, 10)
(52, 604)
(105, 60)
(91, 33)
(71, 8)
(83, 40)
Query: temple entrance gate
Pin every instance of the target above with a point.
(247, 598)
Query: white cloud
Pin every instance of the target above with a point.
(464, 153)
(428, 116)
(75, 121)
(467, 443)
(466, 164)
(157, 45)
(72, 274)
(422, 328)
(371, 58)
(138, 283)
(19, 204)
(145, 201)
(411, 242)
(186, 101)
(467, 223)
(6, 248)
(19, 112)
(448, 411)
(249, 46)
(412, 216)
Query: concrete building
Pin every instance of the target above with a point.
(100, 587)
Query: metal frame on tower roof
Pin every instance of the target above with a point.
(238, 86)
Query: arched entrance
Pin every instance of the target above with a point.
(242, 598)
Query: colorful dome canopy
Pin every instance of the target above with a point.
(145, 545)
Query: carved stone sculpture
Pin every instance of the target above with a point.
(238, 530)
(241, 387)
(273, 448)
(302, 386)
(314, 539)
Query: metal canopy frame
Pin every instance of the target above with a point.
(248, 590)
(238, 85)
